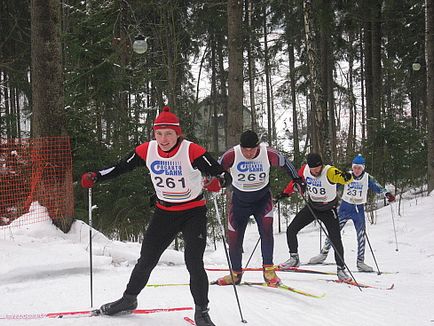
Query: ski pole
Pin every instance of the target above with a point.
(331, 242)
(394, 228)
(91, 208)
(372, 252)
(227, 257)
(278, 216)
(320, 238)
(90, 247)
(251, 255)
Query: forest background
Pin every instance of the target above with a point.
(335, 77)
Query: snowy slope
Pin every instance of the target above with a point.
(44, 270)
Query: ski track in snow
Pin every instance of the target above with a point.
(44, 271)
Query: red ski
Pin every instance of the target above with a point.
(189, 321)
(363, 286)
(86, 313)
(278, 269)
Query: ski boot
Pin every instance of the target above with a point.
(125, 304)
(342, 274)
(362, 267)
(318, 259)
(201, 316)
(227, 280)
(293, 261)
(270, 276)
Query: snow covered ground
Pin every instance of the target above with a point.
(43, 270)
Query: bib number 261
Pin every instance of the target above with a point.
(169, 182)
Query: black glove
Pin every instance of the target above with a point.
(299, 185)
(280, 197)
(347, 176)
(390, 197)
(225, 179)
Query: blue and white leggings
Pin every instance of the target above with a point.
(356, 213)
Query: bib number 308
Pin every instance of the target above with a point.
(316, 190)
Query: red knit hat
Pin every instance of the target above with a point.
(167, 119)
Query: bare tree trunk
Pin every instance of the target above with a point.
(296, 141)
(352, 105)
(121, 121)
(331, 137)
(292, 81)
(13, 111)
(18, 114)
(47, 75)
(251, 65)
(215, 135)
(99, 122)
(48, 98)
(196, 98)
(170, 49)
(362, 86)
(222, 82)
(326, 77)
(7, 107)
(377, 89)
(429, 58)
(309, 122)
(267, 77)
(370, 127)
(318, 120)
(235, 78)
(273, 117)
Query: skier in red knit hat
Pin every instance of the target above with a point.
(176, 167)
(167, 119)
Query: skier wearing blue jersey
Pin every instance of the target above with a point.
(352, 207)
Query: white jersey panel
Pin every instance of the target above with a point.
(319, 188)
(250, 175)
(356, 192)
(174, 178)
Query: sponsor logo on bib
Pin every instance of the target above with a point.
(166, 167)
(250, 167)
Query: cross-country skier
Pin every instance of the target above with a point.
(176, 167)
(354, 196)
(321, 181)
(249, 164)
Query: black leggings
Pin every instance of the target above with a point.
(162, 229)
(331, 222)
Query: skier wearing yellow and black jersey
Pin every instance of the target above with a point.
(321, 188)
